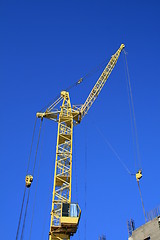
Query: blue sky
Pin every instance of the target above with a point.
(45, 46)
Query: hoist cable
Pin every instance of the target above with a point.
(29, 188)
(31, 145)
(135, 128)
(142, 202)
(24, 221)
(115, 153)
(130, 111)
(134, 119)
(34, 204)
(20, 217)
(37, 147)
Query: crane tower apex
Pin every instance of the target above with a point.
(122, 46)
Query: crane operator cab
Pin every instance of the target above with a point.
(70, 216)
(69, 220)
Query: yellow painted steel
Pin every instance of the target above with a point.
(62, 227)
(139, 175)
(63, 166)
(69, 220)
(100, 83)
(28, 180)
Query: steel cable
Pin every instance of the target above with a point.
(130, 112)
(37, 147)
(25, 215)
(115, 153)
(89, 74)
(31, 145)
(133, 111)
(36, 191)
(142, 202)
(20, 217)
(29, 188)
(134, 127)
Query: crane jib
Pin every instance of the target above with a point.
(100, 82)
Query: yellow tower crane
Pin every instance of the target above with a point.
(65, 215)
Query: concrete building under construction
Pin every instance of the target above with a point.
(149, 231)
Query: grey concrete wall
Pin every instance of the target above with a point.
(150, 229)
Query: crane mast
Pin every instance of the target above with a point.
(65, 215)
(63, 164)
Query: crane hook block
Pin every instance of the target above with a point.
(28, 180)
(139, 175)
